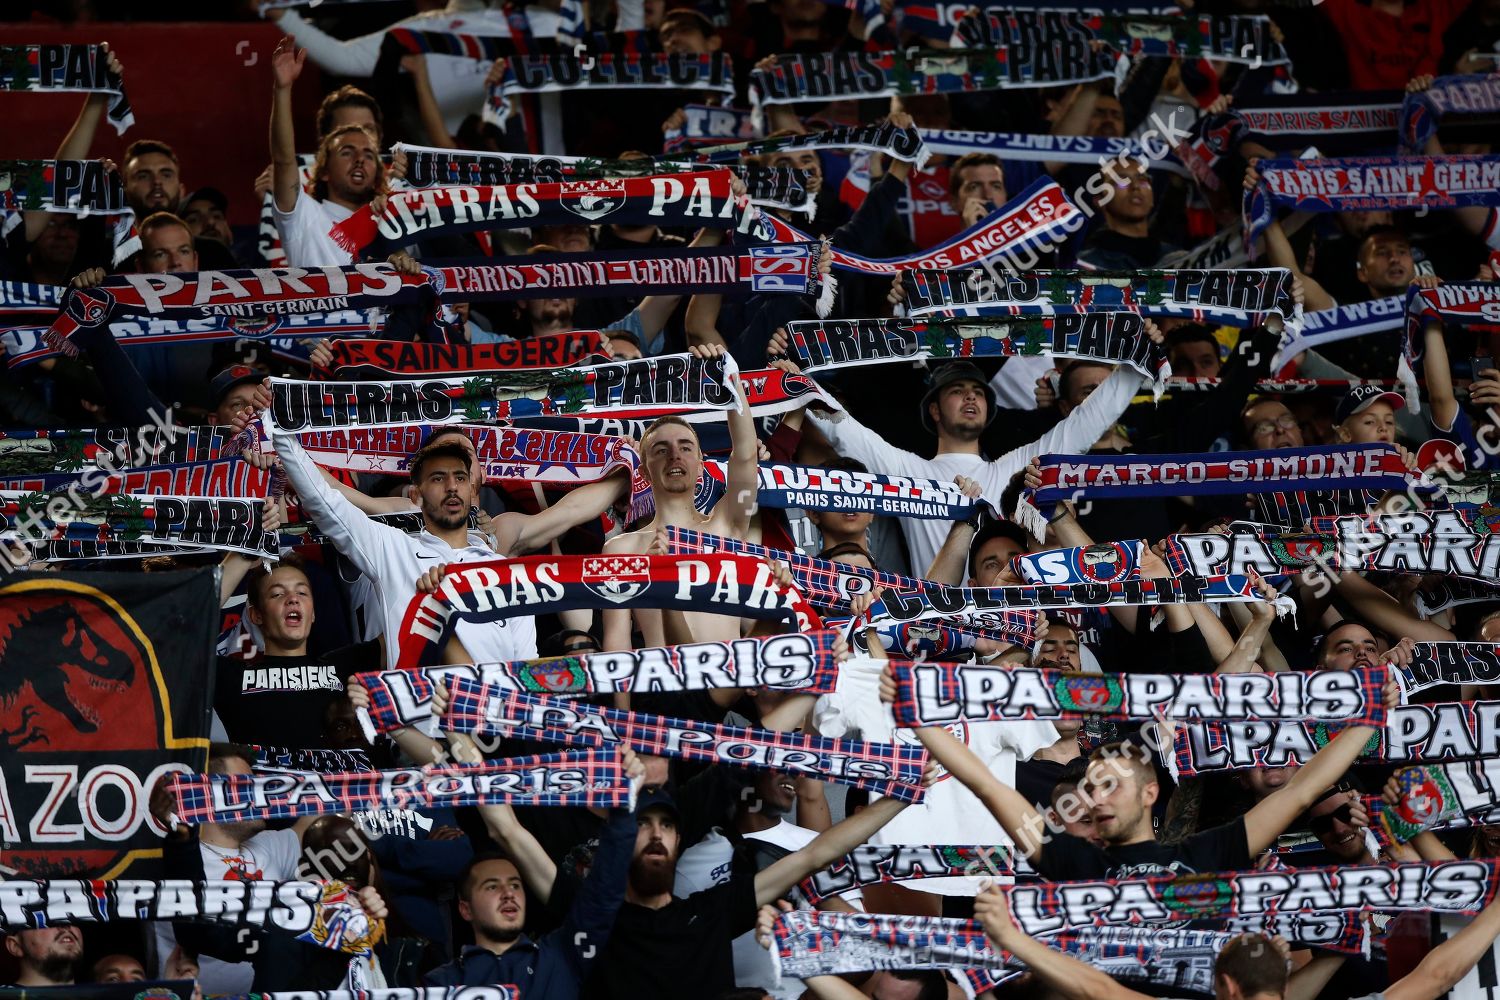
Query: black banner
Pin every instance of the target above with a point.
(101, 693)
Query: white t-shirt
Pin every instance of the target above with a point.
(304, 233)
(949, 813)
(270, 854)
(707, 864)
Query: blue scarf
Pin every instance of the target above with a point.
(1422, 111)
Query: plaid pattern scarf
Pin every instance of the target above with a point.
(1429, 733)
(1464, 887)
(830, 585)
(1039, 215)
(488, 992)
(27, 345)
(587, 778)
(1450, 542)
(1043, 32)
(1370, 183)
(28, 297)
(226, 524)
(66, 67)
(878, 137)
(552, 458)
(1422, 111)
(320, 913)
(1433, 794)
(703, 125)
(799, 661)
(240, 293)
(809, 943)
(489, 591)
(879, 864)
(677, 202)
(1243, 297)
(647, 387)
(885, 768)
(378, 359)
(934, 694)
(1113, 337)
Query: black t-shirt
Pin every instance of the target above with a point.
(682, 949)
(1036, 778)
(1220, 849)
(280, 700)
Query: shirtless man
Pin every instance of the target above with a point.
(672, 462)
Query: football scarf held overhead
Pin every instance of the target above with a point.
(66, 67)
(1239, 298)
(739, 586)
(540, 74)
(1423, 110)
(1473, 304)
(229, 524)
(552, 458)
(931, 694)
(1345, 322)
(1437, 664)
(903, 144)
(227, 477)
(645, 386)
(1437, 733)
(274, 760)
(1046, 41)
(1116, 338)
(28, 297)
(383, 359)
(1030, 147)
(1432, 794)
(38, 452)
(1371, 183)
(801, 661)
(75, 187)
(1448, 887)
(681, 201)
(886, 768)
(491, 992)
(878, 864)
(809, 943)
(588, 778)
(840, 490)
(832, 76)
(1040, 215)
(28, 345)
(320, 913)
(708, 126)
(239, 293)
(1344, 118)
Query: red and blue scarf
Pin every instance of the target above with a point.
(61, 67)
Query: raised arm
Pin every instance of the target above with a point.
(1063, 973)
(1384, 612)
(1439, 377)
(286, 66)
(827, 847)
(517, 534)
(1446, 964)
(742, 474)
(77, 143)
(950, 564)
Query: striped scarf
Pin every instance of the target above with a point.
(885, 768)
(489, 992)
(225, 524)
(489, 591)
(1430, 733)
(933, 694)
(228, 477)
(27, 297)
(320, 913)
(673, 201)
(66, 67)
(1363, 120)
(1243, 297)
(903, 144)
(648, 387)
(31, 452)
(588, 778)
(1114, 338)
(1449, 887)
(799, 661)
(1330, 326)
(1032, 148)
(1423, 110)
(1471, 304)
(1039, 216)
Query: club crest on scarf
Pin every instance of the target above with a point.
(1088, 693)
(341, 924)
(561, 675)
(617, 579)
(593, 200)
(1107, 562)
(1421, 796)
(88, 307)
(1197, 896)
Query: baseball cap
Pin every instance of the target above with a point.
(1362, 397)
(229, 378)
(659, 798)
(212, 195)
(946, 375)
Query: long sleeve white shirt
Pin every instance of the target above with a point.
(457, 81)
(1073, 435)
(393, 560)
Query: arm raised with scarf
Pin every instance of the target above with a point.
(1270, 817)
